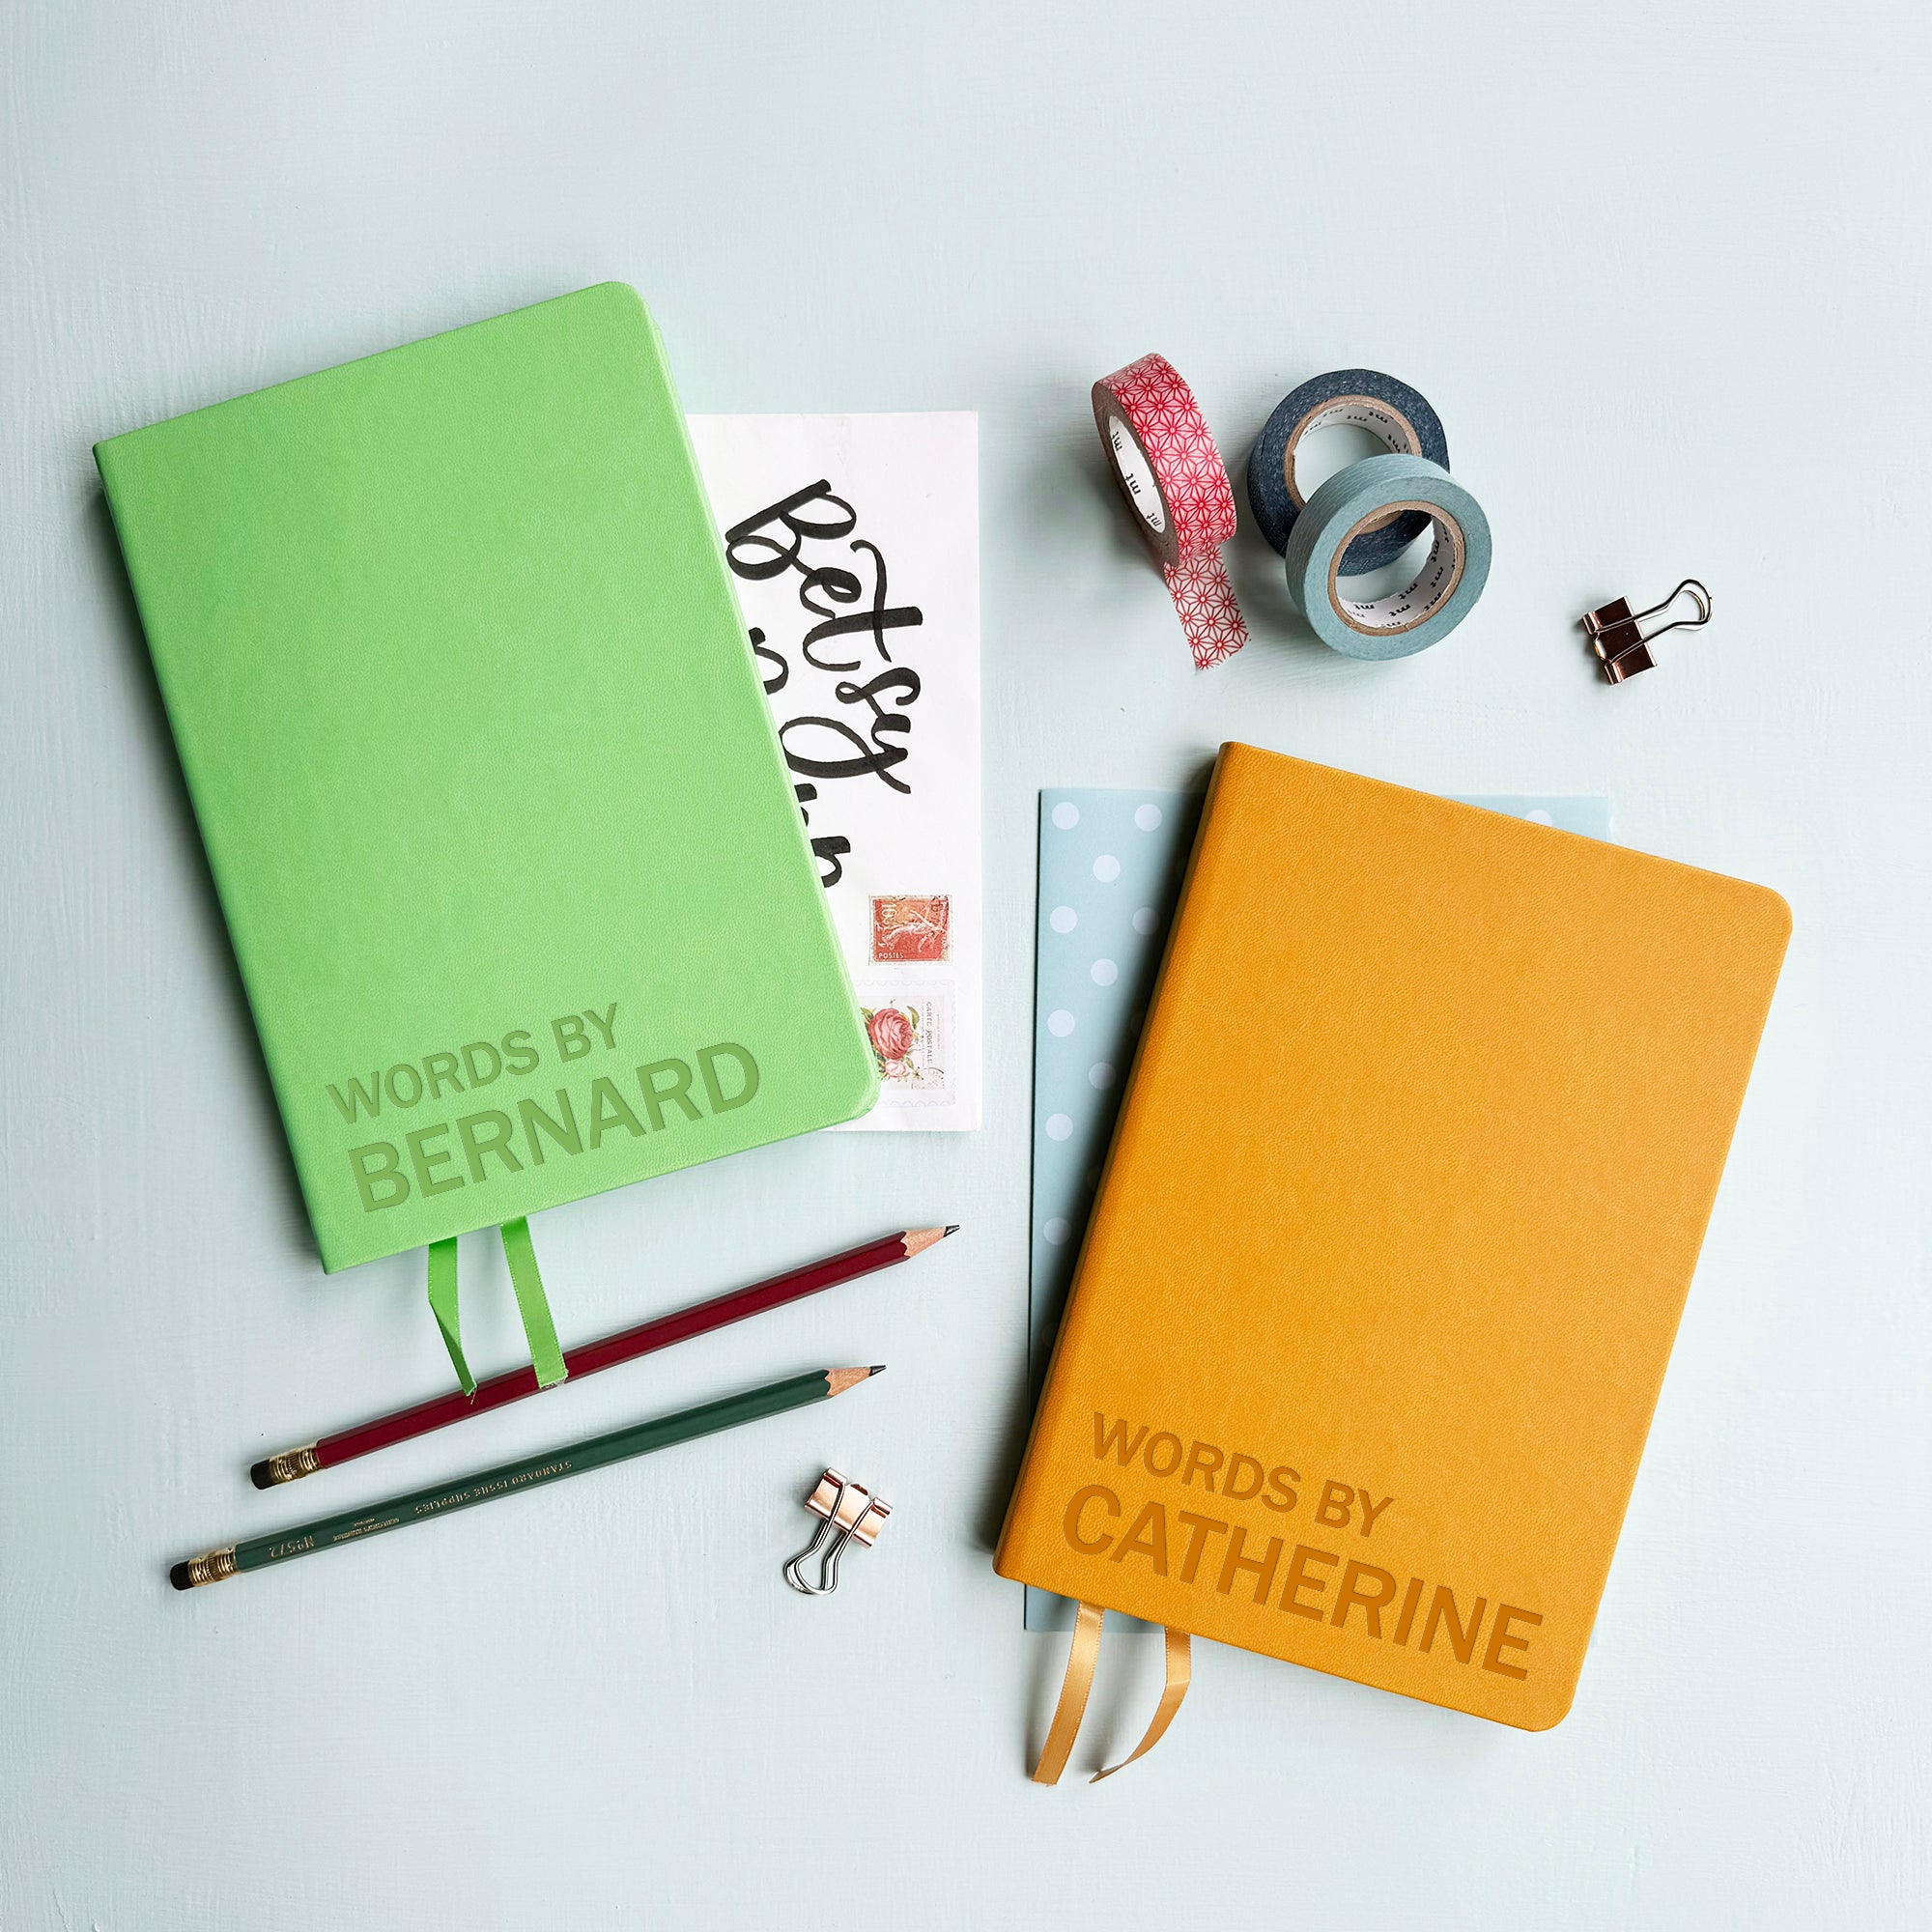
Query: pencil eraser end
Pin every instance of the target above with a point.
(179, 1576)
(259, 1475)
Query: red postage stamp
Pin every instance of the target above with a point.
(909, 930)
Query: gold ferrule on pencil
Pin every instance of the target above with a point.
(292, 1464)
(212, 1568)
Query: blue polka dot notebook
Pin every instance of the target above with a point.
(1110, 870)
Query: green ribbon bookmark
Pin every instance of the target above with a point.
(532, 1304)
(539, 1330)
(442, 1300)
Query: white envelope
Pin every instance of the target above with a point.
(854, 547)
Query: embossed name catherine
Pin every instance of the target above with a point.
(1093, 1524)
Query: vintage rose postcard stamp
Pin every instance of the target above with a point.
(910, 929)
(911, 1031)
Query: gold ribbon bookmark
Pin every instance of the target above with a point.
(1081, 1658)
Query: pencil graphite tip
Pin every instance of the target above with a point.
(952, 1228)
(839, 1380)
(877, 1369)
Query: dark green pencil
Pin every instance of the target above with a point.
(423, 1505)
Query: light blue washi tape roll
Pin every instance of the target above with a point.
(1445, 589)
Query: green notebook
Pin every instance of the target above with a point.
(490, 790)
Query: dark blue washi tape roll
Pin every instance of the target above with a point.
(1396, 415)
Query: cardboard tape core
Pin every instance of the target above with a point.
(1137, 475)
(1418, 601)
(1382, 420)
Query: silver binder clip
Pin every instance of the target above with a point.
(849, 1511)
(1621, 647)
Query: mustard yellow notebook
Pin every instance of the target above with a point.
(1391, 1246)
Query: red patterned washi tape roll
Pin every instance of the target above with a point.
(1177, 487)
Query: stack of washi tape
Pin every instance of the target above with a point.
(1365, 518)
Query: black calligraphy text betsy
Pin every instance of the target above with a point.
(848, 617)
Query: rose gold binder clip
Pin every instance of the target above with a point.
(850, 1512)
(1622, 648)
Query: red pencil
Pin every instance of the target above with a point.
(513, 1384)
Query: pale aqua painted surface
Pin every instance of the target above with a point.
(1663, 270)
